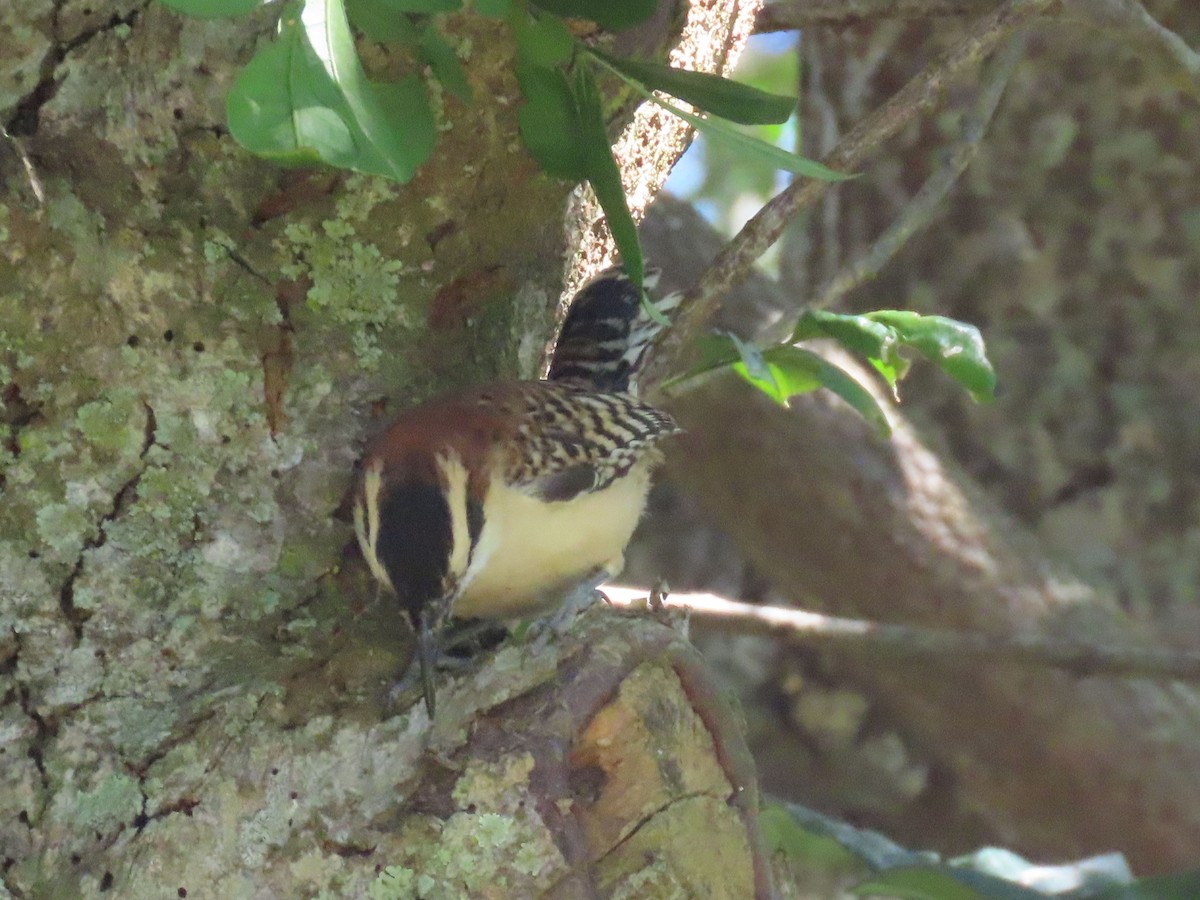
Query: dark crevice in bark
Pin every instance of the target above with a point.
(183, 805)
(46, 729)
(279, 356)
(185, 734)
(348, 851)
(654, 814)
(66, 594)
(121, 501)
(242, 263)
(182, 735)
(24, 119)
(16, 413)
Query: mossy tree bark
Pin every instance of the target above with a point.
(192, 345)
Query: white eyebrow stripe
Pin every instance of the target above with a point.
(455, 474)
(367, 527)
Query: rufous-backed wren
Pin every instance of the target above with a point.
(492, 503)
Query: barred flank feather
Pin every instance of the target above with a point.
(607, 332)
(571, 440)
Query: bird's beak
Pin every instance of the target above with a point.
(426, 657)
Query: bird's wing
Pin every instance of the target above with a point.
(571, 441)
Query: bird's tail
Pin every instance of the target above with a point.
(607, 332)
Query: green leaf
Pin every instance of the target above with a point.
(784, 372)
(213, 9)
(744, 144)
(304, 98)
(752, 147)
(615, 15)
(442, 59)
(282, 105)
(405, 104)
(877, 343)
(1183, 886)
(549, 122)
(955, 347)
(544, 41)
(392, 147)
(605, 176)
(798, 365)
(711, 93)
(938, 882)
(380, 22)
(653, 313)
(786, 836)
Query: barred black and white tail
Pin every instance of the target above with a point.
(607, 332)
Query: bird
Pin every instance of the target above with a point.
(493, 502)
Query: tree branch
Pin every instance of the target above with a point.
(1128, 15)
(808, 13)
(921, 94)
(819, 631)
(1132, 18)
(886, 532)
(926, 202)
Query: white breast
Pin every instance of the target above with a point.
(530, 552)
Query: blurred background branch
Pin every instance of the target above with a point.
(837, 634)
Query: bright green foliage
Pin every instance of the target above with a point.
(442, 60)
(419, 6)
(549, 121)
(813, 842)
(784, 372)
(788, 838)
(379, 22)
(718, 96)
(752, 147)
(955, 347)
(305, 98)
(497, 9)
(604, 175)
(543, 42)
(760, 105)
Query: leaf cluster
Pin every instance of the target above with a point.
(304, 98)
(881, 338)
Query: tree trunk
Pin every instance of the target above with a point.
(192, 345)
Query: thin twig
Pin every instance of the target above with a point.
(1130, 16)
(35, 183)
(919, 95)
(928, 199)
(1134, 20)
(799, 14)
(815, 630)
